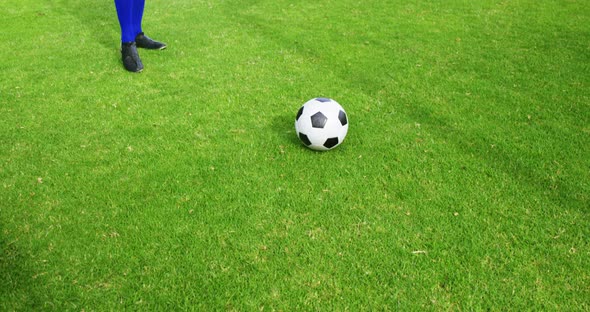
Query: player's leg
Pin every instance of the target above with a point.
(138, 6)
(140, 38)
(126, 20)
(125, 13)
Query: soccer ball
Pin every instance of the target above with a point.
(321, 124)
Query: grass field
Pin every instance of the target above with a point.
(463, 184)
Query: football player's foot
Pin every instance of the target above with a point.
(146, 42)
(131, 60)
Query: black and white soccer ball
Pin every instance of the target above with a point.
(321, 124)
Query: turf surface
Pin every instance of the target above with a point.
(463, 183)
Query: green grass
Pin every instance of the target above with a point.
(463, 183)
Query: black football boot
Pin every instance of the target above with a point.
(131, 59)
(146, 42)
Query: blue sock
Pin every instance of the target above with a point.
(138, 6)
(130, 13)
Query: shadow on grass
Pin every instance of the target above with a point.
(283, 126)
(99, 18)
(16, 287)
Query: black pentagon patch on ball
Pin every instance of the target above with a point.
(318, 120)
(323, 100)
(299, 113)
(342, 117)
(304, 139)
(331, 142)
